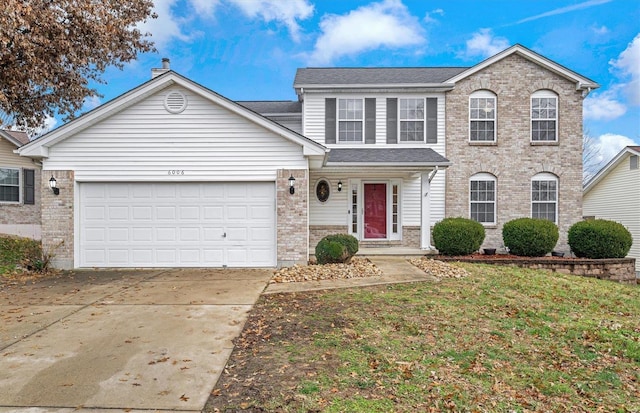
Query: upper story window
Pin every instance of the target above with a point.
(411, 120)
(9, 185)
(482, 117)
(544, 197)
(482, 196)
(350, 120)
(544, 116)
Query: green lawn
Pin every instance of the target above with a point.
(501, 340)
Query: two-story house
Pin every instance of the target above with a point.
(173, 174)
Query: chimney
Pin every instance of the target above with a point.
(166, 66)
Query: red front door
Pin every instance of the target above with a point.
(375, 210)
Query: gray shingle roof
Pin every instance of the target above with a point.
(374, 75)
(386, 156)
(21, 137)
(272, 106)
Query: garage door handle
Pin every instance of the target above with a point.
(224, 235)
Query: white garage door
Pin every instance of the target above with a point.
(177, 224)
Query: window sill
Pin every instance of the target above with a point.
(483, 143)
(544, 143)
(490, 226)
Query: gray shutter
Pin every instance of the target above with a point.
(330, 120)
(392, 120)
(432, 120)
(29, 195)
(370, 120)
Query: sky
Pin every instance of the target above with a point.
(250, 49)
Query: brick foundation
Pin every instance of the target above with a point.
(57, 218)
(292, 217)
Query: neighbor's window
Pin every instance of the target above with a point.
(350, 120)
(544, 197)
(411, 120)
(482, 198)
(482, 117)
(544, 116)
(9, 185)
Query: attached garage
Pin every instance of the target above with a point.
(186, 224)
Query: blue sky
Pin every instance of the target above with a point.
(250, 49)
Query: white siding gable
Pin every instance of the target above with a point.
(205, 142)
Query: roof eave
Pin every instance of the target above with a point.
(388, 164)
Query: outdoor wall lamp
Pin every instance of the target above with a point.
(53, 185)
(292, 182)
(339, 186)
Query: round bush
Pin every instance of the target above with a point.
(336, 248)
(458, 236)
(599, 238)
(530, 237)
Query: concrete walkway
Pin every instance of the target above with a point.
(102, 340)
(395, 269)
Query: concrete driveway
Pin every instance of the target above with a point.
(150, 340)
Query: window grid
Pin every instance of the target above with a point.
(482, 115)
(544, 115)
(354, 210)
(544, 195)
(9, 185)
(350, 119)
(411, 120)
(483, 201)
(395, 204)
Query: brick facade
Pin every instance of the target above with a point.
(513, 159)
(292, 219)
(58, 218)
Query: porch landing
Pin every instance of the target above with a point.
(392, 251)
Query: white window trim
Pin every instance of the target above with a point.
(20, 185)
(484, 94)
(543, 94)
(484, 176)
(338, 120)
(423, 120)
(544, 176)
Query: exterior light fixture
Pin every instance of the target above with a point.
(339, 186)
(53, 185)
(292, 182)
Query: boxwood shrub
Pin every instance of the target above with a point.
(458, 236)
(599, 238)
(336, 248)
(530, 237)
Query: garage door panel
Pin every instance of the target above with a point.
(177, 224)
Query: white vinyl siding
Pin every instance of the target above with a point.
(617, 198)
(203, 143)
(314, 119)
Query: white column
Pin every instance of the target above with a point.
(425, 212)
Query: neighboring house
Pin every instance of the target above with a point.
(19, 188)
(614, 194)
(173, 174)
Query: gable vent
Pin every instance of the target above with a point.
(175, 102)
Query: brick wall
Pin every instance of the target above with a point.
(57, 218)
(410, 237)
(292, 217)
(513, 160)
(20, 219)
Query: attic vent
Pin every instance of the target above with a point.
(175, 102)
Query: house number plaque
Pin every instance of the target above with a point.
(176, 172)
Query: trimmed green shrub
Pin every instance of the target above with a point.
(599, 238)
(458, 236)
(530, 237)
(336, 248)
(18, 252)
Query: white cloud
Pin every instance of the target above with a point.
(609, 145)
(600, 30)
(428, 16)
(603, 106)
(90, 103)
(563, 10)
(484, 43)
(204, 7)
(287, 12)
(387, 24)
(628, 63)
(167, 27)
